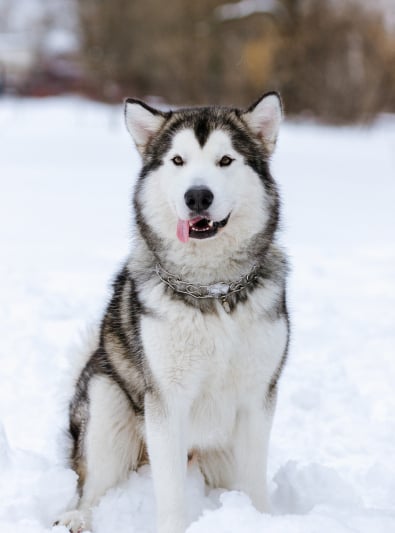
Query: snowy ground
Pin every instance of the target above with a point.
(66, 169)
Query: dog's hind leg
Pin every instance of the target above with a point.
(108, 448)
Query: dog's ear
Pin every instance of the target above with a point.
(142, 121)
(264, 118)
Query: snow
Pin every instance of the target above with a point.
(50, 25)
(66, 169)
(245, 8)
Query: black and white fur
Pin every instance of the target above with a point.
(174, 376)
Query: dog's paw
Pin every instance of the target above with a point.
(75, 521)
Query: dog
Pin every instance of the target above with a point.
(195, 337)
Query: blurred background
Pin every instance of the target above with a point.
(330, 59)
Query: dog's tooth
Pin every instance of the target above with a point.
(211, 223)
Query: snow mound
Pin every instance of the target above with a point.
(67, 169)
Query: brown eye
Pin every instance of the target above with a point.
(178, 160)
(225, 161)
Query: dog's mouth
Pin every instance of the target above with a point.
(199, 228)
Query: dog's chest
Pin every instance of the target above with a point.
(217, 362)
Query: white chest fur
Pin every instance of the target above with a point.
(215, 363)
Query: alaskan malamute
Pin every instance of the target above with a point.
(195, 337)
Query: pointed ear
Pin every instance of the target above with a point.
(142, 121)
(264, 118)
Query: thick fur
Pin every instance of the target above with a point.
(174, 375)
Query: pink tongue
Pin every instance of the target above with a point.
(183, 230)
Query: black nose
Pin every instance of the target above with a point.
(198, 199)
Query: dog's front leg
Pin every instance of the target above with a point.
(166, 422)
(250, 452)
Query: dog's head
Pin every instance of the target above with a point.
(205, 173)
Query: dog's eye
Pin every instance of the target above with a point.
(178, 160)
(225, 161)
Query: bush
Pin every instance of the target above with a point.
(337, 64)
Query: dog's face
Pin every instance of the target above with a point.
(205, 174)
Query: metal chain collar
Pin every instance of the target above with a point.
(220, 290)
